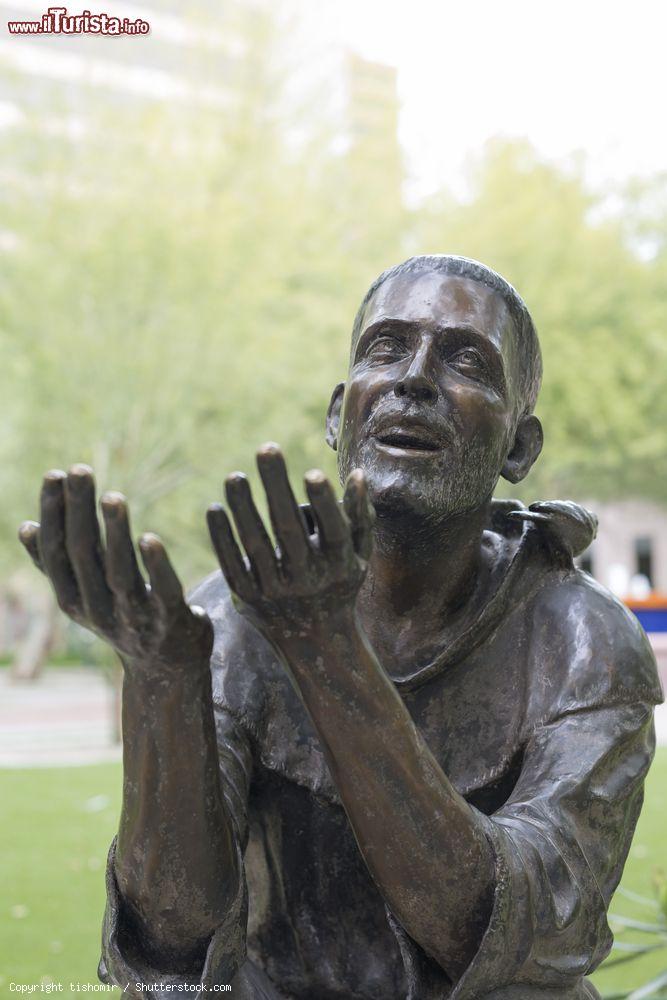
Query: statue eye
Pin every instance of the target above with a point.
(468, 361)
(386, 347)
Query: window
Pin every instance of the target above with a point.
(644, 558)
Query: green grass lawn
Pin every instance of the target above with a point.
(57, 825)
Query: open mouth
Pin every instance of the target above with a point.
(409, 440)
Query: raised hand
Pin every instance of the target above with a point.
(310, 575)
(102, 588)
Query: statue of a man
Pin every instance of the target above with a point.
(400, 752)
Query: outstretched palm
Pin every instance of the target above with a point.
(311, 573)
(101, 587)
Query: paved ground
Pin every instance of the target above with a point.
(66, 717)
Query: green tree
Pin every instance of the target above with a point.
(181, 288)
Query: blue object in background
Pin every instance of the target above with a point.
(651, 619)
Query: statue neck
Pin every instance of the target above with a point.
(420, 575)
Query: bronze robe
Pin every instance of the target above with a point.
(540, 711)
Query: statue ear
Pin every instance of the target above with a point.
(333, 415)
(528, 441)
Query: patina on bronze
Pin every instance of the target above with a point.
(399, 751)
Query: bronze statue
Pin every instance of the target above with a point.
(400, 751)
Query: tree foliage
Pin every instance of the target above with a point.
(180, 285)
(600, 310)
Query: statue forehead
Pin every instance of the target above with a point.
(441, 299)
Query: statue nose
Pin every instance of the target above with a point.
(418, 386)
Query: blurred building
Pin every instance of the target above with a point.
(193, 53)
(629, 554)
(371, 109)
(64, 71)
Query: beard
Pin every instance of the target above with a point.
(426, 489)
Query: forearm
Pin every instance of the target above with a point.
(421, 841)
(176, 861)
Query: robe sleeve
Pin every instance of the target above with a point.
(123, 964)
(560, 844)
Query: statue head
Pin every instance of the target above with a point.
(445, 368)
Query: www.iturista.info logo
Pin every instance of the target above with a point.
(57, 21)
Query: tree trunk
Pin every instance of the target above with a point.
(33, 649)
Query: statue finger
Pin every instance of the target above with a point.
(254, 536)
(288, 523)
(84, 546)
(122, 569)
(360, 513)
(332, 525)
(29, 538)
(166, 588)
(232, 564)
(53, 547)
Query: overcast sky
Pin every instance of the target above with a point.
(574, 75)
(577, 75)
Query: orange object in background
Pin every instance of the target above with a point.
(651, 611)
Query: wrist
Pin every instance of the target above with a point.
(151, 677)
(321, 647)
(321, 624)
(157, 705)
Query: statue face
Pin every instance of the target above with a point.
(430, 407)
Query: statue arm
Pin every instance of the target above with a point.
(426, 848)
(176, 863)
(176, 869)
(209, 922)
(560, 845)
(424, 845)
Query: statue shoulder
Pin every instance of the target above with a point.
(588, 649)
(209, 593)
(251, 686)
(242, 661)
